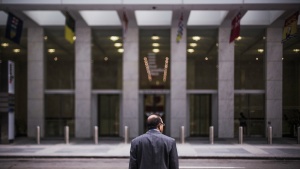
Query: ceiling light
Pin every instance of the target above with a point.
(206, 58)
(193, 44)
(155, 37)
(282, 58)
(118, 45)
(51, 50)
(296, 50)
(155, 50)
(45, 37)
(264, 38)
(4, 45)
(239, 38)
(155, 44)
(196, 38)
(55, 58)
(105, 58)
(74, 37)
(190, 50)
(16, 50)
(114, 38)
(121, 50)
(260, 50)
(256, 58)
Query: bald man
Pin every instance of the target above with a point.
(153, 150)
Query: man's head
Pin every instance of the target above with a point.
(155, 122)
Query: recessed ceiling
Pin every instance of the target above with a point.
(200, 17)
(101, 18)
(153, 18)
(255, 17)
(47, 18)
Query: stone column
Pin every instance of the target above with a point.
(274, 80)
(225, 82)
(130, 96)
(178, 64)
(83, 115)
(35, 80)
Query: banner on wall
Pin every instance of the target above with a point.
(11, 77)
(290, 27)
(235, 27)
(180, 29)
(14, 26)
(69, 28)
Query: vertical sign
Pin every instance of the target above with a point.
(11, 77)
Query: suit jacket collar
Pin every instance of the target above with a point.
(154, 131)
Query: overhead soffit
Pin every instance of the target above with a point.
(207, 17)
(47, 18)
(101, 18)
(255, 17)
(153, 18)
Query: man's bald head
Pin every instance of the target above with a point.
(153, 121)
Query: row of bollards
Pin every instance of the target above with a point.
(126, 135)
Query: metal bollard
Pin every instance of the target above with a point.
(211, 134)
(270, 135)
(298, 135)
(67, 134)
(96, 135)
(126, 134)
(38, 134)
(241, 135)
(182, 134)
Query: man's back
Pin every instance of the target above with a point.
(153, 150)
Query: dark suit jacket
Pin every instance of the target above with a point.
(153, 150)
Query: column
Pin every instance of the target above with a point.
(274, 80)
(130, 97)
(83, 101)
(35, 80)
(225, 82)
(178, 64)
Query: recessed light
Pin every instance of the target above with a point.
(45, 37)
(121, 50)
(260, 50)
(196, 38)
(74, 37)
(296, 50)
(51, 50)
(17, 50)
(155, 44)
(193, 44)
(190, 50)
(155, 50)
(106, 58)
(206, 58)
(118, 44)
(239, 38)
(55, 58)
(114, 38)
(256, 58)
(155, 37)
(4, 45)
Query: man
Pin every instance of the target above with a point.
(153, 150)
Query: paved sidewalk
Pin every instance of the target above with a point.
(115, 148)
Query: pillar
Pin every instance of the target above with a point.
(35, 80)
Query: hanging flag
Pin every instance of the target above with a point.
(180, 29)
(70, 28)
(125, 24)
(290, 27)
(14, 28)
(235, 27)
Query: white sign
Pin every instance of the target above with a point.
(11, 77)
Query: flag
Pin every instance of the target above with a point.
(235, 27)
(69, 28)
(180, 29)
(125, 24)
(14, 28)
(290, 27)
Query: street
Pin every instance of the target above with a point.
(113, 163)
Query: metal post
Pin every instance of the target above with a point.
(67, 134)
(241, 134)
(126, 134)
(270, 135)
(182, 134)
(96, 135)
(38, 134)
(298, 135)
(211, 134)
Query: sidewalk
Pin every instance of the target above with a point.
(115, 148)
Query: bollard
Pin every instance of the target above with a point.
(270, 135)
(38, 134)
(211, 134)
(241, 135)
(96, 135)
(126, 134)
(298, 135)
(67, 134)
(182, 134)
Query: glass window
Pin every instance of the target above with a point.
(59, 60)
(154, 61)
(107, 57)
(249, 59)
(291, 86)
(202, 58)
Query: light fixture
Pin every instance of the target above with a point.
(206, 58)
(193, 44)
(282, 58)
(17, 50)
(217, 44)
(196, 38)
(264, 38)
(45, 37)
(114, 38)
(74, 38)
(55, 58)
(296, 50)
(155, 44)
(105, 58)
(4, 45)
(51, 50)
(155, 50)
(121, 50)
(118, 45)
(239, 38)
(190, 50)
(260, 50)
(256, 58)
(154, 37)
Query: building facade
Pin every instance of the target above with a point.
(119, 71)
